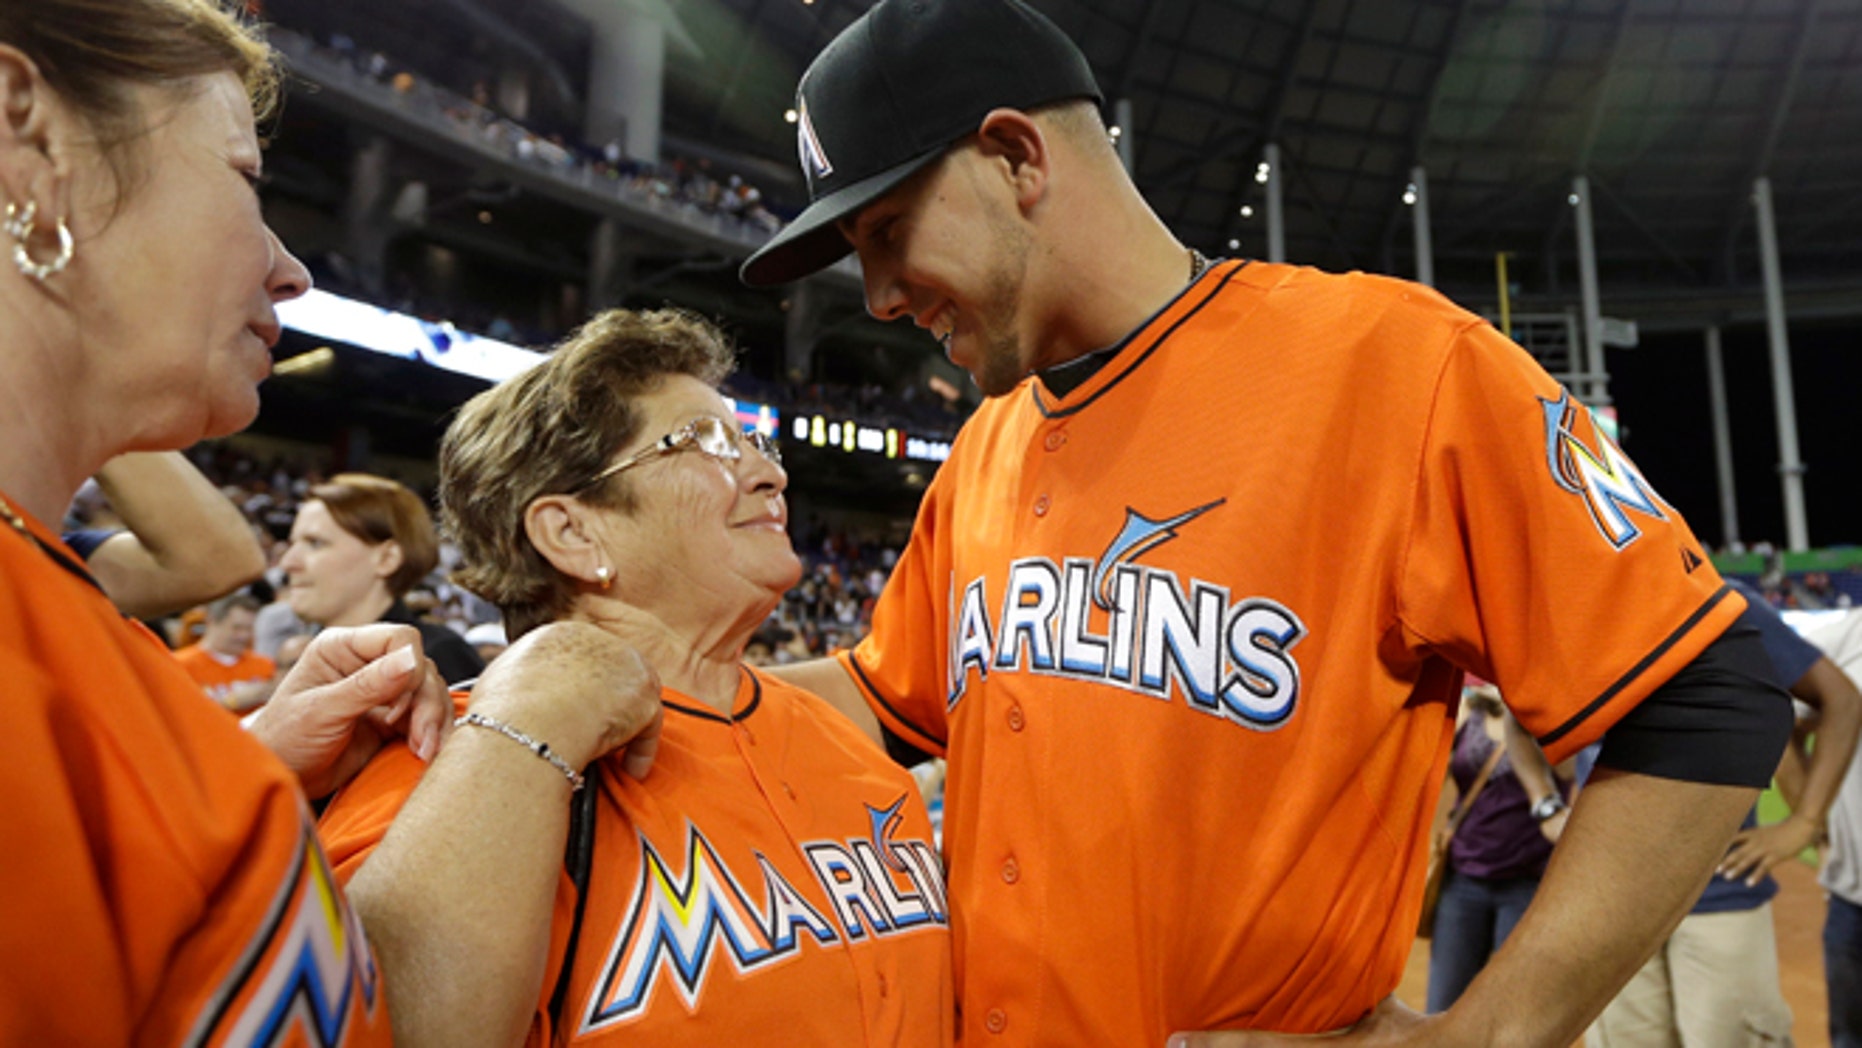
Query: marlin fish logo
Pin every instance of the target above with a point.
(1603, 476)
(886, 823)
(1139, 536)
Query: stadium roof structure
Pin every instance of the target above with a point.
(1671, 108)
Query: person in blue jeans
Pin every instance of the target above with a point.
(1500, 848)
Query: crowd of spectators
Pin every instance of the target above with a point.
(830, 608)
(694, 184)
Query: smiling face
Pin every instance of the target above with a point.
(336, 578)
(706, 536)
(179, 268)
(948, 249)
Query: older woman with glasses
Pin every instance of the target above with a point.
(772, 879)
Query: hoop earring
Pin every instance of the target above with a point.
(604, 576)
(19, 224)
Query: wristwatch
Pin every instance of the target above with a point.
(1548, 807)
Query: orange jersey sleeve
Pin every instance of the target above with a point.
(1541, 558)
(165, 886)
(899, 660)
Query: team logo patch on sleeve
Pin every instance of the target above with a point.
(1597, 471)
(298, 980)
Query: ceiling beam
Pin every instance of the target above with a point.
(1128, 71)
(1740, 211)
(1290, 162)
(1240, 134)
(744, 46)
(1423, 120)
(1608, 195)
(1618, 34)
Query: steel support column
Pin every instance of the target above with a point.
(1276, 218)
(1127, 135)
(1722, 439)
(1425, 252)
(1587, 281)
(1790, 465)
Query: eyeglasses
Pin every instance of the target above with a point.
(711, 436)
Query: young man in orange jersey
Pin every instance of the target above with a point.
(223, 663)
(1189, 604)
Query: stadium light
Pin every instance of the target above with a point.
(314, 360)
(790, 116)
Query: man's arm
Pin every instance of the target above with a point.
(1633, 859)
(1830, 691)
(831, 681)
(186, 544)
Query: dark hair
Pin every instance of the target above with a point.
(546, 432)
(225, 606)
(377, 510)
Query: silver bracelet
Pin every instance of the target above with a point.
(541, 749)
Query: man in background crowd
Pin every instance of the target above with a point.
(223, 663)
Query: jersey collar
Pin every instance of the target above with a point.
(1067, 388)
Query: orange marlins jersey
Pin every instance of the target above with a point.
(162, 883)
(1195, 676)
(772, 882)
(217, 678)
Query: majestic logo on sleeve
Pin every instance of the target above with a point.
(692, 915)
(1608, 482)
(300, 977)
(1110, 620)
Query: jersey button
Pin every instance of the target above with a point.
(884, 987)
(1011, 871)
(996, 1021)
(1040, 506)
(1056, 440)
(1016, 719)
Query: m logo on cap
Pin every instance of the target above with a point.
(814, 159)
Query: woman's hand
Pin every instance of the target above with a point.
(1754, 852)
(353, 690)
(580, 689)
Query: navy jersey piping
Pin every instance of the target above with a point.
(248, 962)
(1046, 412)
(756, 699)
(1638, 669)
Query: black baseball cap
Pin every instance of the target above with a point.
(892, 92)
